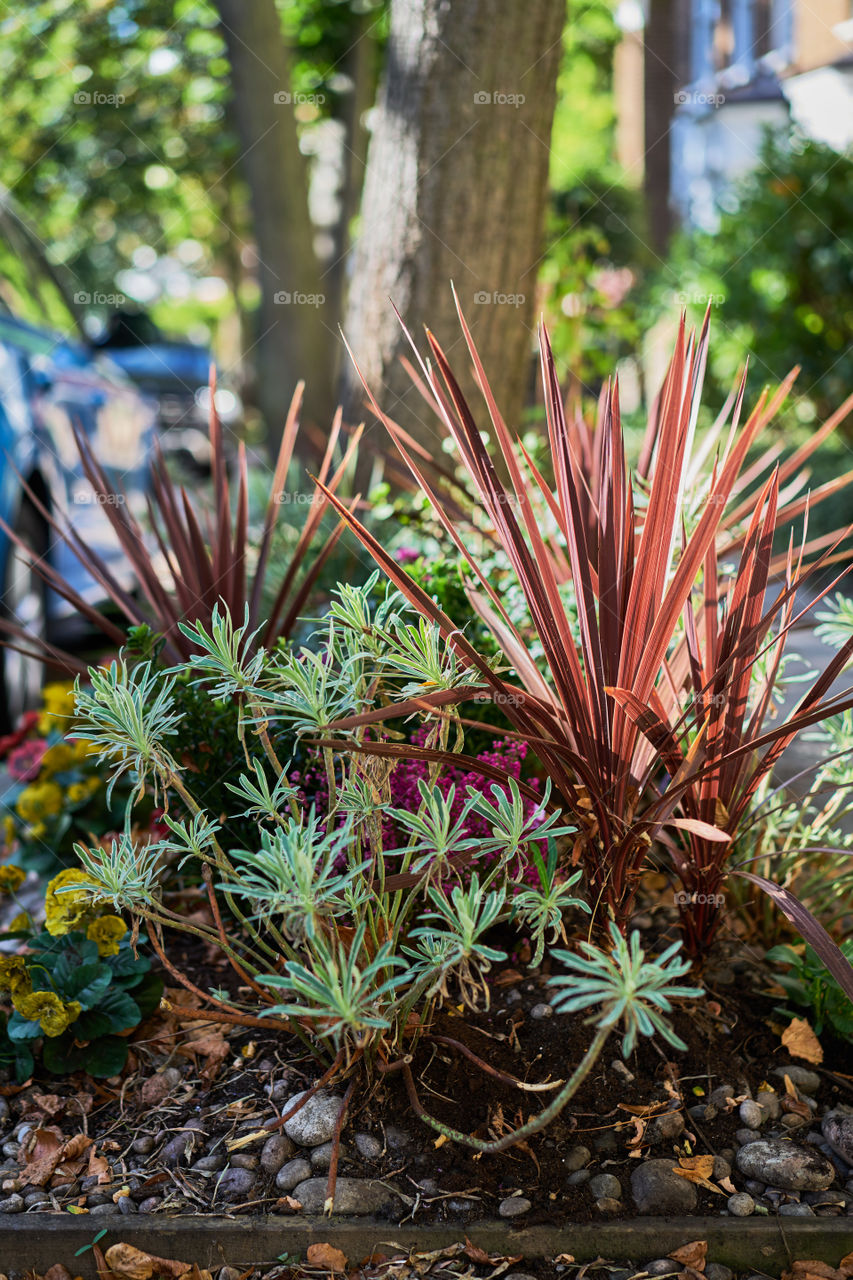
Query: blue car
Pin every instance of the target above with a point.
(52, 382)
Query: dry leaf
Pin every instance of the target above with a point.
(811, 1269)
(155, 1090)
(99, 1165)
(801, 1041)
(57, 1272)
(691, 1255)
(129, 1263)
(287, 1204)
(846, 1264)
(48, 1103)
(326, 1255)
(695, 1168)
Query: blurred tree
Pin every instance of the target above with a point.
(456, 185)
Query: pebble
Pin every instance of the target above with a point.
(809, 1081)
(782, 1164)
(105, 1210)
(754, 1187)
(540, 1011)
(10, 1148)
(276, 1150)
(244, 1160)
(36, 1196)
(143, 1145)
(519, 1275)
(792, 1121)
(397, 1139)
(751, 1114)
(4, 1110)
(294, 1172)
(796, 1211)
(769, 1102)
(280, 1090)
(321, 1157)
(717, 1271)
(150, 1205)
(127, 1206)
(740, 1205)
(314, 1123)
(657, 1189)
(722, 1168)
(352, 1195)
(608, 1204)
(745, 1136)
(14, 1204)
(209, 1164)
(605, 1185)
(229, 1273)
(22, 1131)
(181, 1146)
(662, 1267)
(721, 1095)
(619, 1067)
(513, 1207)
(235, 1185)
(824, 1198)
(668, 1127)
(461, 1205)
(837, 1129)
(368, 1147)
(576, 1157)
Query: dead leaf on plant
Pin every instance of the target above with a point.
(691, 1255)
(801, 1042)
(129, 1263)
(326, 1255)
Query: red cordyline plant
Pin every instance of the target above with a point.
(191, 560)
(600, 717)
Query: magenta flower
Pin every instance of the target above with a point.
(25, 761)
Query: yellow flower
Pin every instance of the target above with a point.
(83, 748)
(93, 784)
(36, 831)
(11, 878)
(57, 706)
(46, 1008)
(107, 932)
(78, 792)
(14, 975)
(68, 910)
(8, 829)
(22, 923)
(39, 800)
(57, 758)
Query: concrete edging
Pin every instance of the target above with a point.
(767, 1245)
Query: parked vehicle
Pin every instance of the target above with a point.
(52, 382)
(176, 375)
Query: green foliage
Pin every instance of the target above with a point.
(782, 262)
(95, 992)
(808, 985)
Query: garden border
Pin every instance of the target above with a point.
(766, 1245)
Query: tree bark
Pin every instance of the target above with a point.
(456, 185)
(661, 56)
(295, 337)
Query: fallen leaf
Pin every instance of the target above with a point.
(846, 1264)
(49, 1103)
(155, 1090)
(811, 1269)
(801, 1042)
(100, 1166)
(326, 1255)
(287, 1204)
(691, 1255)
(129, 1263)
(57, 1272)
(695, 1168)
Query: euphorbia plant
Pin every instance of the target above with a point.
(597, 713)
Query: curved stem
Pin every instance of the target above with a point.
(527, 1130)
(308, 1094)
(503, 1076)
(336, 1149)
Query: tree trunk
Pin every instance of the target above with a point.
(295, 338)
(456, 184)
(661, 54)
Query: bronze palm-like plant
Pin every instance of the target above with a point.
(596, 717)
(189, 561)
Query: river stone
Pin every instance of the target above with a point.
(838, 1131)
(796, 1211)
(657, 1189)
(321, 1157)
(662, 1267)
(605, 1185)
(717, 1271)
(751, 1114)
(513, 1207)
(276, 1151)
(352, 1195)
(294, 1172)
(740, 1205)
(782, 1164)
(314, 1123)
(809, 1081)
(576, 1158)
(235, 1185)
(181, 1146)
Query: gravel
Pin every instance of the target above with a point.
(315, 1122)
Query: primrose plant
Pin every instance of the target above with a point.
(342, 940)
